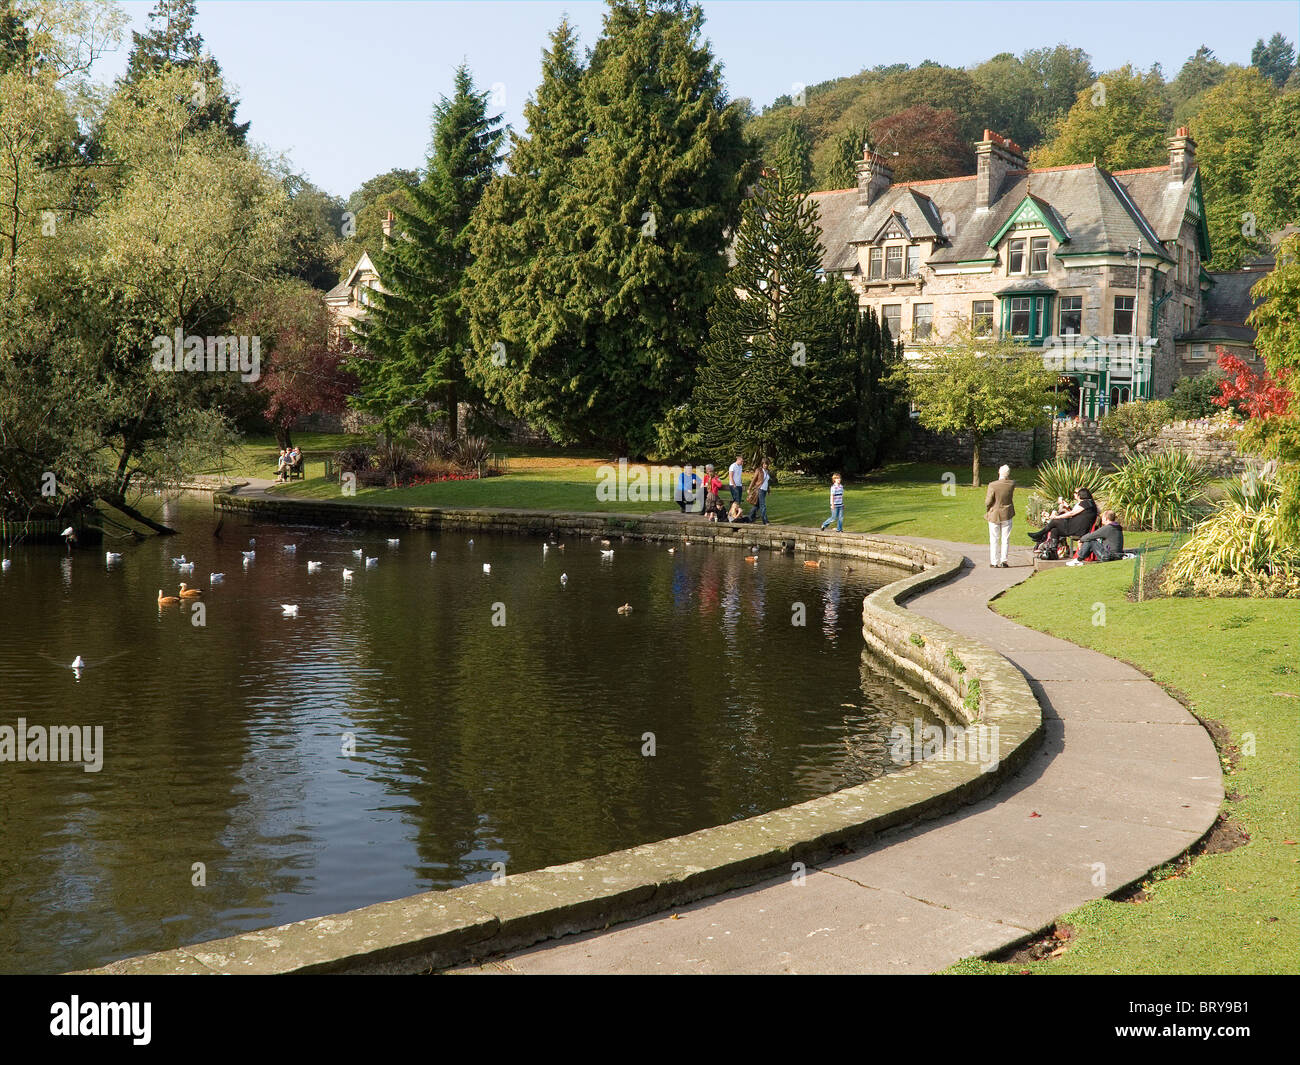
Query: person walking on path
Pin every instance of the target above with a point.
(736, 478)
(837, 504)
(758, 489)
(998, 512)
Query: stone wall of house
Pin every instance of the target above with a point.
(1077, 439)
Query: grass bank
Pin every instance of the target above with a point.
(1234, 662)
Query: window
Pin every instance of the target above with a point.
(1119, 394)
(981, 317)
(1188, 318)
(1016, 257)
(1038, 255)
(1071, 315)
(922, 316)
(874, 259)
(1199, 351)
(1020, 317)
(894, 261)
(893, 313)
(1123, 315)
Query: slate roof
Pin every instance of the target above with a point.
(1101, 212)
(1227, 304)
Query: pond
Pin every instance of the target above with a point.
(419, 726)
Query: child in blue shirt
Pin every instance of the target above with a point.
(837, 505)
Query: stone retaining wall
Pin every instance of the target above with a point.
(1078, 439)
(436, 930)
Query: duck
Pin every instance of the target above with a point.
(357, 553)
(112, 556)
(470, 543)
(487, 567)
(564, 578)
(626, 608)
(187, 592)
(347, 574)
(433, 555)
(312, 567)
(290, 609)
(687, 543)
(604, 543)
(812, 562)
(607, 554)
(672, 550)
(78, 663)
(371, 561)
(751, 558)
(167, 600)
(216, 578)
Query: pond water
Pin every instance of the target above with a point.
(414, 728)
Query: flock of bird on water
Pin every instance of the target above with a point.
(185, 593)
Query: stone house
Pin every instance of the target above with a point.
(1100, 271)
(349, 300)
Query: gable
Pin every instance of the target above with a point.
(1033, 212)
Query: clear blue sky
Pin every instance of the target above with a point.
(345, 88)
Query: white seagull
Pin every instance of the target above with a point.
(487, 567)
(291, 547)
(357, 553)
(290, 609)
(564, 578)
(393, 541)
(179, 561)
(216, 578)
(371, 562)
(347, 574)
(248, 555)
(186, 567)
(313, 567)
(433, 555)
(112, 556)
(607, 554)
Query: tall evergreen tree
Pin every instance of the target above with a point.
(1275, 60)
(174, 42)
(777, 380)
(636, 235)
(416, 338)
(525, 344)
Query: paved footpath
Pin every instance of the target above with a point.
(1125, 780)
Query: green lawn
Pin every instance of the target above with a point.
(256, 456)
(1233, 661)
(904, 499)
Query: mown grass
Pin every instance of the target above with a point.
(1233, 661)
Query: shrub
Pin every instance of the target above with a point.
(1193, 397)
(354, 458)
(1059, 479)
(1237, 550)
(471, 452)
(1162, 491)
(394, 460)
(431, 443)
(1132, 424)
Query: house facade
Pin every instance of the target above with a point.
(1100, 271)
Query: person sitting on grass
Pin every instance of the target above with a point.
(1104, 545)
(736, 516)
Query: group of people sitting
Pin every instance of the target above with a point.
(290, 462)
(1098, 541)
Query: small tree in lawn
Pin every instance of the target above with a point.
(976, 384)
(301, 371)
(1133, 424)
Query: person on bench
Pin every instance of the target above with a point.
(1106, 544)
(282, 467)
(1076, 521)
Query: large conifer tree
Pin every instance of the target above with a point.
(416, 338)
(622, 255)
(778, 379)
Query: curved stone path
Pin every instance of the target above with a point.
(1125, 780)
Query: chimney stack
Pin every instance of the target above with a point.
(387, 226)
(995, 157)
(875, 175)
(1182, 155)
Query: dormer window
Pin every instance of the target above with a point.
(1038, 255)
(1016, 257)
